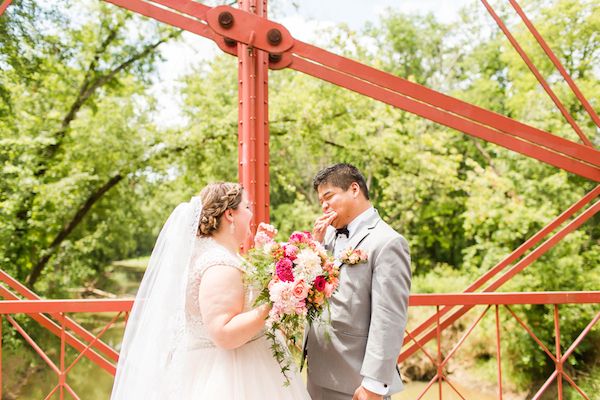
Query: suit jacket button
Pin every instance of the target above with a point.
(385, 385)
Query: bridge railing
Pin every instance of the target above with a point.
(495, 303)
(55, 316)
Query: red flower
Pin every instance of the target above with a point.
(284, 270)
(319, 283)
(300, 237)
(290, 251)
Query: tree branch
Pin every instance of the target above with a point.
(92, 199)
(69, 227)
(89, 86)
(485, 154)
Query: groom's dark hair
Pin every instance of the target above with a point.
(341, 175)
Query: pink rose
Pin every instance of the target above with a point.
(362, 254)
(300, 289)
(319, 283)
(283, 269)
(291, 251)
(301, 308)
(329, 289)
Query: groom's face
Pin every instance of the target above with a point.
(335, 199)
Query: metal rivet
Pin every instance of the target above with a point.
(226, 19)
(229, 42)
(274, 58)
(274, 37)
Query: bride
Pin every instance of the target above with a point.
(193, 333)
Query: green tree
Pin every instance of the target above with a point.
(64, 148)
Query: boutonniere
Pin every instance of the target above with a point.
(353, 257)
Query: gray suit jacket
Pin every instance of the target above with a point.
(368, 314)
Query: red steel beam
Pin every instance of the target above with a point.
(498, 353)
(253, 130)
(71, 324)
(521, 250)
(533, 335)
(580, 337)
(250, 29)
(64, 306)
(184, 14)
(544, 247)
(416, 300)
(574, 385)
(559, 366)
(537, 74)
(446, 103)
(3, 6)
(526, 261)
(381, 86)
(252, 23)
(195, 25)
(453, 121)
(33, 344)
(556, 63)
(55, 329)
(90, 345)
(503, 298)
(261, 212)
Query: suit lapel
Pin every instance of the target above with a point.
(362, 231)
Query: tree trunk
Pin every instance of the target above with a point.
(68, 228)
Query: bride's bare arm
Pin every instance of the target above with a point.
(222, 303)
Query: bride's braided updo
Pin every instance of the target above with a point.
(216, 199)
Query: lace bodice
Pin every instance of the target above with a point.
(207, 253)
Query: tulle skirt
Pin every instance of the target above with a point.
(247, 373)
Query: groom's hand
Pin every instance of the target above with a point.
(363, 394)
(321, 225)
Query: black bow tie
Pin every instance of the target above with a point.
(342, 231)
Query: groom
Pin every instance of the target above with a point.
(355, 357)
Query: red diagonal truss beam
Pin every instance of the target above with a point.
(73, 341)
(70, 324)
(420, 100)
(3, 6)
(519, 266)
(556, 63)
(436, 106)
(101, 354)
(537, 74)
(249, 30)
(549, 298)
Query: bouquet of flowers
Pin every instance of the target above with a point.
(297, 277)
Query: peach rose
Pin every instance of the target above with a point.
(300, 289)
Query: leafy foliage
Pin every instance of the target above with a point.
(88, 178)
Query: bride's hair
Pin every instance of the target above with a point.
(216, 199)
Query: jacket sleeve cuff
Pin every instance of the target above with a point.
(375, 386)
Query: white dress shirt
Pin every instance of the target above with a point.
(341, 244)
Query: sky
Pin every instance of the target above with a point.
(303, 22)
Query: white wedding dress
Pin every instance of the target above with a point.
(166, 353)
(248, 372)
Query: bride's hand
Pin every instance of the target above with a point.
(321, 225)
(264, 309)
